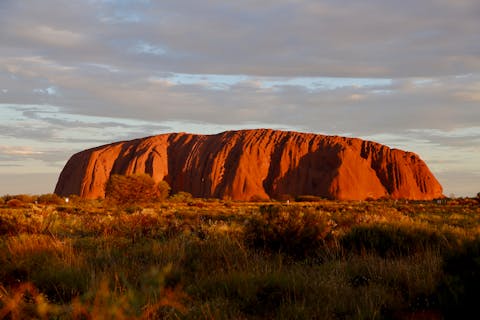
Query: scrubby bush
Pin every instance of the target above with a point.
(50, 198)
(307, 198)
(15, 203)
(460, 288)
(163, 190)
(76, 200)
(393, 240)
(181, 196)
(295, 231)
(136, 188)
(24, 198)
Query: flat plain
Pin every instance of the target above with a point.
(186, 258)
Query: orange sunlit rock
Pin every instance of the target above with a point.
(256, 164)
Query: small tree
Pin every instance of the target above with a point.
(136, 188)
(163, 190)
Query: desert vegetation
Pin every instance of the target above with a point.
(184, 258)
(135, 189)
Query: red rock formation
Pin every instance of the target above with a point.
(259, 163)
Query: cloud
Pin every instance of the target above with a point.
(28, 159)
(281, 38)
(466, 138)
(47, 35)
(146, 48)
(18, 151)
(360, 106)
(48, 124)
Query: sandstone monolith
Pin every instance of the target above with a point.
(256, 164)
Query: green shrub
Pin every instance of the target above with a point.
(50, 198)
(136, 188)
(15, 203)
(295, 231)
(460, 288)
(163, 190)
(133, 208)
(181, 196)
(8, 225)
(392, 240)
(253, 295)
(60, 283)
(26, 198)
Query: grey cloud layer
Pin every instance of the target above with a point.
(446, 103)
(278, 38)
(48, 124)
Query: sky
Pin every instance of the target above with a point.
(78, 74)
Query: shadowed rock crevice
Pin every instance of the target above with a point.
(256, 164)
(275, 168)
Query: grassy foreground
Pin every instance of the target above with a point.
(212, 259)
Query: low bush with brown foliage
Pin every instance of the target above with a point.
(50, 198)
(295, 231)
(135, 189)
(15, 203)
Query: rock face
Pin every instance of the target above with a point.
(256, 164)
